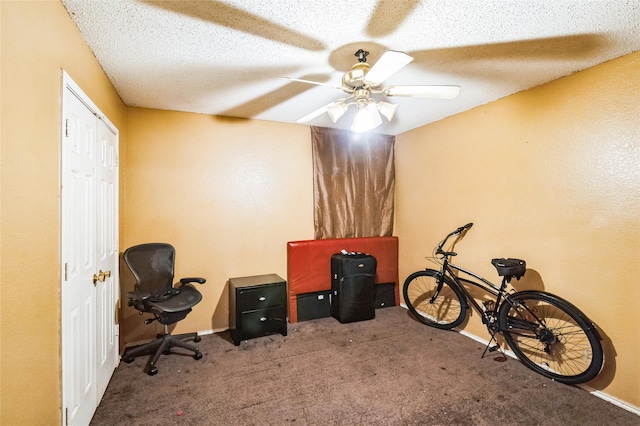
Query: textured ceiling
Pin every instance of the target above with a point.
(225, 57)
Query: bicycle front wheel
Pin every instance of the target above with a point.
(443, 309)
(551, 336)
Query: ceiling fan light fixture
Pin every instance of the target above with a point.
(363, 80)
(387, 109)
(336, 110)
(366, 118)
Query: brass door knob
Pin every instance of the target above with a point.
(101, 276)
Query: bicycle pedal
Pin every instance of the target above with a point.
(493, 348)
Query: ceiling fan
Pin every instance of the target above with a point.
(362, 81)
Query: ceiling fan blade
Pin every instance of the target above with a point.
(262, 103)
(310, 82)
(237, 19)
(313, 114)
(335, 110)
(389, 63)
(433, 92)
(381, 25)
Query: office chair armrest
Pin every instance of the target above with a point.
(198, 280)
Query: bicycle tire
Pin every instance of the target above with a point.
(447, 311)
(551, 336)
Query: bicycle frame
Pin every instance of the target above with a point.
(501, 295)
(547, 333)
(489, 316)
(498, 292)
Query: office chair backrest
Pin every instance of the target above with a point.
(153, 267)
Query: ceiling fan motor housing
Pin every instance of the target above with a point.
(354, 79)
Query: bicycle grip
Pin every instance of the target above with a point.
(462, 228)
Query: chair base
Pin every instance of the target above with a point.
(162, 345)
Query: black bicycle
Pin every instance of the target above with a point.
(547, 333)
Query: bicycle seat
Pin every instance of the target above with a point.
(510, 268)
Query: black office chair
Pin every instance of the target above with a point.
(153, 267)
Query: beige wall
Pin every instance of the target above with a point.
(38, 40)
(550, 175)
(227, 193)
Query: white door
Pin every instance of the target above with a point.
(89, 255)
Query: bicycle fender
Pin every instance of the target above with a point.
(590, 324)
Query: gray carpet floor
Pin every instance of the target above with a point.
(391, 370)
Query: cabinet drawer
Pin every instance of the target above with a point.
(264, 296)
(262, 321)
(257, 306)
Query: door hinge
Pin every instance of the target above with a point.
(66, 271)
(117, 160)
(67, 128)
(66, 416)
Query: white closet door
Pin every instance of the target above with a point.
(90, 289)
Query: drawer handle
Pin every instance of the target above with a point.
(263, 319)
(262, 298)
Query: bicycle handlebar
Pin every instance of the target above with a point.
(462, 228)
(456, 232)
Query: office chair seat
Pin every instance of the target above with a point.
(154, 292)
(187, 298)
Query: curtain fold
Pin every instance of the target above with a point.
(353, 184)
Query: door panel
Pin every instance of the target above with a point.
(107, 294)
(78, 253)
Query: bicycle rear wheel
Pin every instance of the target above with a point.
(446, 310)
(551, 336)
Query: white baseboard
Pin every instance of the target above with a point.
(200, 333)
(615, 401)
(602, 395)
(211, 331)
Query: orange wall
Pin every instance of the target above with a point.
(38, 41)
(550, 175)
(227, 193)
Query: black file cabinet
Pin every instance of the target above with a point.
(257, 306)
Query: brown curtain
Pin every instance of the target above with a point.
(353, 183)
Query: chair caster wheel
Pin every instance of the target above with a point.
(198, 355)
(128, 359)
(197, 338)
(152, 371)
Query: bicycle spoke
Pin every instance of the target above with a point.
(441, 309)
(545, 332)
(548, 338)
